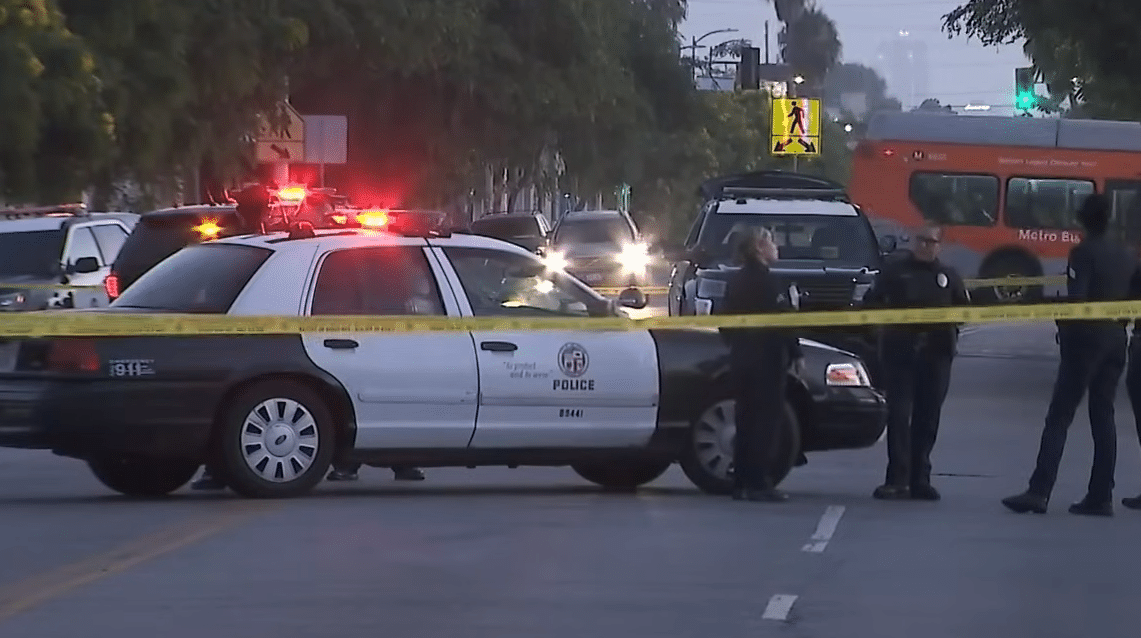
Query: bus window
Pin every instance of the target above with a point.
(1045, 203)
(1125, 198)
(955, 199)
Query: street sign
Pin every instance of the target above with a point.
(282, 146)
(326, 139)
(795, 127)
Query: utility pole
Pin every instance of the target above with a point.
(766, 41)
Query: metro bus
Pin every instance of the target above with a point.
(1005, 189)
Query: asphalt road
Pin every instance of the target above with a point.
(535, 552)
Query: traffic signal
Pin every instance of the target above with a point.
(749, 69)
(1024, 97)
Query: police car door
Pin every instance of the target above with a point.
(550, 388)
(409, 390)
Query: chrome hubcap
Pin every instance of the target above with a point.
(279, 440)
(713, 438)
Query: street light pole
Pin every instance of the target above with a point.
(696, 42)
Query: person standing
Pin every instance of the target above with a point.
(916, 361)
(1133, 380)
(1093, 354)
(760, 359)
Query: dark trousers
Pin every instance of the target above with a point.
(759, 415)
(916, 385)
(1091, 361)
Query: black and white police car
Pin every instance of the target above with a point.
(273, 411)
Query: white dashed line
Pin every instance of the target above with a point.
(825, 529)
(779, 607)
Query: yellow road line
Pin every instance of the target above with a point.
(24, 595)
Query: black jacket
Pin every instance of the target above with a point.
(1098, 270)
(912, 283)
(755, 290)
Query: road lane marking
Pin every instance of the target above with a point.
(779, 607)
(24, 595)
(825, 529)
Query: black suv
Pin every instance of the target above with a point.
(827, 248)
(601, 248)
(161, 233)
(531, 231)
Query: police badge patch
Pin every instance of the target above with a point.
(941, 280)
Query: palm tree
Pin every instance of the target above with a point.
(811, 45)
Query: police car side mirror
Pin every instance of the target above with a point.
(794, 296)
(85, 266)
(632, 298)
(888, 244)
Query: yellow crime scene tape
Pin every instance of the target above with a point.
(649, 290)
(72, 324)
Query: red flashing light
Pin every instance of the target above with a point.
(888, 152)
(111, 285)
(73, 355)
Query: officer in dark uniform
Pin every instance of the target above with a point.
(916, 361)
(1133, 379)
(1093, 358)
(760, 359)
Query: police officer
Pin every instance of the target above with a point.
(759, 361)
(1133, 380)
(916, 362)
(1092, 358)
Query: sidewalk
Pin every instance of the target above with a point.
(1010, 340)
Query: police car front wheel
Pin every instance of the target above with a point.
(624, 476)
(143, 478)
(708, 455)
(276, 440)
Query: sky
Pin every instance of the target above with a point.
(961, 71)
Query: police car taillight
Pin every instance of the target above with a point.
(73, 355)
(111, 285)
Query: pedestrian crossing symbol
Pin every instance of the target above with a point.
(796, 126)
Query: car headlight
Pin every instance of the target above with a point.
(711, 288)
(850, 375)
(555, 260)
(13, 300)
(634, 257)
(859, 291)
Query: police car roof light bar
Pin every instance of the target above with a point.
(63, 210)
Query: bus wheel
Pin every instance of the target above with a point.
(1009, 266)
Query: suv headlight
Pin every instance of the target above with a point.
(634, 257)
(710, 288)
(849, 375)
(555, 261)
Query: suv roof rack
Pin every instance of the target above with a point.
(772, 184)
(60, 210)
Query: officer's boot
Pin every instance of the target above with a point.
(407, 474)
(1132, 502)
(1027, 502)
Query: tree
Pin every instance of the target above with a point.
(932, 105)
(811, 45)
(856, 80)
(1093, 43)
(54, 125)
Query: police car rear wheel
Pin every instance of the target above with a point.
(709, 455)
(624, 476)
(143, 478)
(276, 440)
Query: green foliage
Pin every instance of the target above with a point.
(55, 130)
(1092, 42)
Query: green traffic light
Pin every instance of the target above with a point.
(1025, 100)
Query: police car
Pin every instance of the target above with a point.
(273, 411)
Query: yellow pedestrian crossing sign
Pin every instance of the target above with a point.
(796, 126)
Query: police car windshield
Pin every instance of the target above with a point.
(31, 253)
(614, 232)
(843, 241)
(204, 278)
